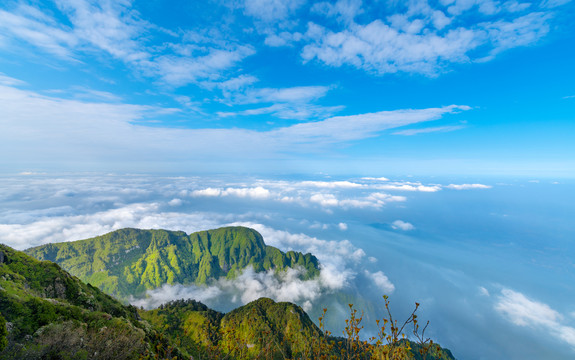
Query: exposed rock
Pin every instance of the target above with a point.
(3, 258)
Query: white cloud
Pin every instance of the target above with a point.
(98, 131)
(116, 30)
(331, 184)
(408, 187)
(522, 311)
(254, 192)
(250, 286)
(304, 194)
(271, 10)
(33, 26)
(525, 312)
(284, 38)
(523, 31)
(175, 202)
(423, 39)
(342, 226)
(108, 26)
(411, 132)
(167, 292)
(467, 186)
(381, 281)
(207, 192)
(355, 127)
(10, 81)
(76, 227)
(375, 178)
(381, 198)
(337, 253)
(379, 48)
(287, 103)
(374, 200)
(290, 111)
(402, 225)
(325, 199)
(554, 3)
(345, 10)
(178, 70)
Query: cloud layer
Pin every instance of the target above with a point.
(361, 254)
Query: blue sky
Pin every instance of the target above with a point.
(357, 87)
(419, 148)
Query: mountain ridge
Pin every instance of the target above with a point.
(51, 314)
(127, 262)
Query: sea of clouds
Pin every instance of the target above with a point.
(364, 231)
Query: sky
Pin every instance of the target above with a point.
(420, 149)
(475, 87)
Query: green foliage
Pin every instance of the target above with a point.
(188, 323)
(128, 262)
(264, 329)
(53, 315)
(3, 333)
(50, 314)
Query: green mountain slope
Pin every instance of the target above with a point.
(46, 313)
(130, 261)
(51, 314)
(264, 329)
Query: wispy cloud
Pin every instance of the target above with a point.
(522, 311)
(115, 30)
(286, 103)
(355, 127)
(398, 186)
(271, 10)
(411, 132)
(331, 184)
(467, 186)
(30, 25)
(101, 128)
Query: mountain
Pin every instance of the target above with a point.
(46, 313)
(51, 314)
(265, 329)
(262, 328)
(128, 262)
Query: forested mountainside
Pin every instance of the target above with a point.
(264, 329)
(51, 314)
(46, 313)
(128, 262)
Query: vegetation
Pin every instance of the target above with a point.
(130, 261)
(264, 329)
(51, 314)
(46, 313)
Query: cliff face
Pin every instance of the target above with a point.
(130, 261)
